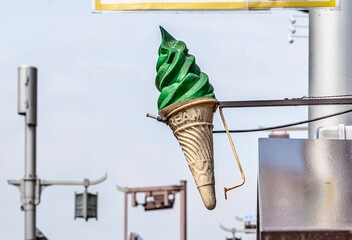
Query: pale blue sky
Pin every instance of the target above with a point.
(96, 84)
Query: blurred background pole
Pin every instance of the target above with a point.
(126, 217)
(330, 61)
(183, 209)
(29, 181)
(27, 105)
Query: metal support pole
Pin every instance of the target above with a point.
(183, 209)
(126, 217)
(29, 206)
(330, 60)
(31, 186)
(27, 105)
(287, 102)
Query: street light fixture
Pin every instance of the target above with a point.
(86, 205)
(158, 200)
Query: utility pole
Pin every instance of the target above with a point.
(31, 186)
(27, 105)
(330, 61)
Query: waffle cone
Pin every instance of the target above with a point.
(192, 124)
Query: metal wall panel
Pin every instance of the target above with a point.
(304, 189)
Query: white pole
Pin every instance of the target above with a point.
(29, 181)
(27, 77)
(330, 61)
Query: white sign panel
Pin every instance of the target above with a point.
(215, 5)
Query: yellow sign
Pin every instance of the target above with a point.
(202, 5)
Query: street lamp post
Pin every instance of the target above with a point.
(31, 186)
(157, 198)
(27, 105)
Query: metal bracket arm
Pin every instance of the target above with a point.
(85, 182)
(20, 185)
(172, 188)
(41, 184)
(286, 102)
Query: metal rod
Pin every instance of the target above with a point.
(300, 26)
(235, 155)
(299, 36)
(126, 217)
(286, 102)
(183, 210)
(158, 118)
(150, 189)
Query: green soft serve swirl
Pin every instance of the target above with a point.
(178, 76)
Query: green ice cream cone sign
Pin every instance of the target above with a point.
(178, 76)
(188, 103)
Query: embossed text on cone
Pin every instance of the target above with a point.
(192, 124)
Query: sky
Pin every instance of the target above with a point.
(96, 74)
